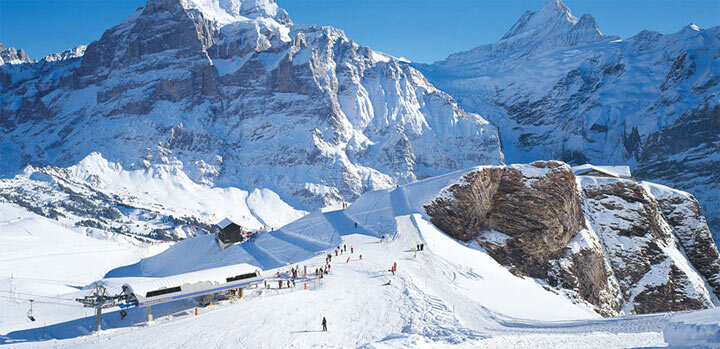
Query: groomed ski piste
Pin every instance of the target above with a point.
(449, 294)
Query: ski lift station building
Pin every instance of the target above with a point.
(148, 291)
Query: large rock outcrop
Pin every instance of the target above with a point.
(603, 241)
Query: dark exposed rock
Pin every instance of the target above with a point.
(539, 209)
(636, 239)
(669, 296)
(532, 219)
(682, 212)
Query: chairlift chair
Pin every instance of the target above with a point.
(30, 312)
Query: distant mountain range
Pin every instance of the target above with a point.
(557, 87)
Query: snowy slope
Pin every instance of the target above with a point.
(622, 258)
(49, 262)
(450, 294)
(557, 88)
(374, 212)
(156, 202)
(429, 302)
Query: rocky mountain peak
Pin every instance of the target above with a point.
(552, 27)
(554, 16)
(74, 52)
(225, 11)
(693, 26)
(11, 55)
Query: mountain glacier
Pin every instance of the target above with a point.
(557, 87)
(237, 95)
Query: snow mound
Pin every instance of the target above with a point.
(699, 329)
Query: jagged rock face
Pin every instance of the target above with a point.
(603, 241)
(239, 96)
(11, 55)
(640, 245)
(579, 100)
(682, 212)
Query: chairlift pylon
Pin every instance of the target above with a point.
(30, 312)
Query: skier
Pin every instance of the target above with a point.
(279, 284)
(352, 250)
(360, 257)
(336, 253)
(345, 248)
(422, 247)
(355, 225)
(324, 324)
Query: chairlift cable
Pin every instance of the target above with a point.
(37, 295)
(37, 301)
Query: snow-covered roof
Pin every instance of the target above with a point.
(224, 223)
(614, 171)
(142, 285)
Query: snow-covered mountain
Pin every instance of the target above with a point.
(11, 55)
(557, 87)
(238, 95)
(76, 52)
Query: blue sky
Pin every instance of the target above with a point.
(422, 30)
